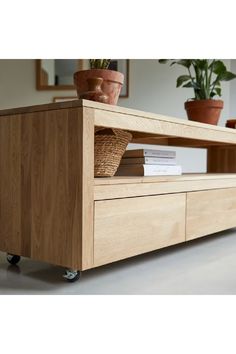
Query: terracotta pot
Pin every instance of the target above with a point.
(231, 123)
(204, 111)
(95, 92)
(111, 85)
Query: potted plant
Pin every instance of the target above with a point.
(204, 76)
(110, 81)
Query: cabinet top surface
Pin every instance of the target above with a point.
(135, 120)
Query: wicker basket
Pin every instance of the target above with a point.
(110, 145)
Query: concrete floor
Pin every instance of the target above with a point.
(203, 266)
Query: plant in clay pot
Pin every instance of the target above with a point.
(204, 76)
(110, 82)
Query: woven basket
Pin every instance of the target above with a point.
(110, 145)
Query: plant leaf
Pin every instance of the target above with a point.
(184, 62)
(181, 79)
(213, 93)
(216, 82)
(218, 67)
(192, 84)
(189, 84)
(227, 76)
(202, 64)
(163, 61)
(218, 91)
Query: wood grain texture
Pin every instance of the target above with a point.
(137, 120)
(155, 186)
(221, 160)
(87, 188)
(10, 188)
(51, 233)
(158, 125)
(42, 180)
(131, 226)
(173, 141)
(157, 179)
(48, 194)
(210, 211)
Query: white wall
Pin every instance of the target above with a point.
(232, 110)
(18, 85)
(152, 88)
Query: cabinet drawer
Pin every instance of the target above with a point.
(210, 211)
(131, 226)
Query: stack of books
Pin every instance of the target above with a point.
(148, 162)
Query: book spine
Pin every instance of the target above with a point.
(148, 161)
(159, 161)
(159, 153)
(162, 169)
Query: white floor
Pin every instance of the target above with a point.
(203, 266)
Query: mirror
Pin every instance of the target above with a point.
(57, 74)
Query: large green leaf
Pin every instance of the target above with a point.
(218, 67)
(227, 76)
(181, 79)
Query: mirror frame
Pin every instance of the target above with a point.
(41, 87)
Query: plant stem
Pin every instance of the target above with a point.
(192, 79)
(206, 87)
(211, 76)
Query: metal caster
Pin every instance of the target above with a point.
(72, 275)
(13, 259)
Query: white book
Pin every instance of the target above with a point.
(149, 170)
(150, 153)
(148, 161)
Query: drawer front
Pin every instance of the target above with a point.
(131, 226)
(210, 211)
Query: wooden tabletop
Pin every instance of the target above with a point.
(147, 127)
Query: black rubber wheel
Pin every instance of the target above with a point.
(13, 259)
(72, 276)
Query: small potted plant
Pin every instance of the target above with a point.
(204, 76)
(110, 81)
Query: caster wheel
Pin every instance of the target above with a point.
(72, 275)
(13, 259)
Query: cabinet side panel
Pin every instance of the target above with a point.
(75, 162)
(87, 188)
(10, 188)
(51, 241)
(26, 150)
(55, 196)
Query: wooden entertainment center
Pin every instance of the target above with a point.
(52, 208)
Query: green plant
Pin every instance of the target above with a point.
(203, 75)
(99, 63)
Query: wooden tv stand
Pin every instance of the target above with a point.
(52, 208)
